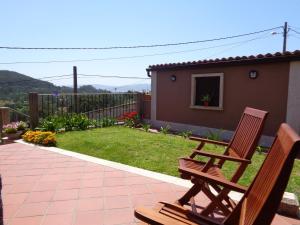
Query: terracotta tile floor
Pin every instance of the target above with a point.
(40, 187)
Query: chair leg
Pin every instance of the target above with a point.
(194, 190)
(215, 202)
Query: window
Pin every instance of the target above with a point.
(207, 91)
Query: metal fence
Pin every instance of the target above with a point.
(17, 115)
(95, 106)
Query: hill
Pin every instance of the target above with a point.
(14, 88)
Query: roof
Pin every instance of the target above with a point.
(238, 60)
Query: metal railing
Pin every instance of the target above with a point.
(16, 115)
(95, 106)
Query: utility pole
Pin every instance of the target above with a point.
(285, 31)
(75, 88)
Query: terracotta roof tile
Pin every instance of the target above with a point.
(269, 57)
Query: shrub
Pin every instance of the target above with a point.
(146, 127)
(131, 119)
(22, 126)
(106, 122)
(165, 129)
(67, 122)
(10, 128)
(216, 136)
(40, 137)
(186, 134)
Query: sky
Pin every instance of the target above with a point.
(96, 23)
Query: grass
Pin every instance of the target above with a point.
(156, 152)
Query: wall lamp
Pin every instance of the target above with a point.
(253, 74)
(173, 78)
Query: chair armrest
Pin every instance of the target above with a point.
(208, 141)
(213, 179)
(225, 157)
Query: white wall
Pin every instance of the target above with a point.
(293, 103)
(153, 94)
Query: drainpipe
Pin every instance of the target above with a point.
(148, 72)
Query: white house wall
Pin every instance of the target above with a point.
(293, 103)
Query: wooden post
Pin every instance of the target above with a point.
(139, 105)
(1, 127)
(4, 111)
(33, 109)
(75, 88)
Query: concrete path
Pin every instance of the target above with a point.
(41, 187)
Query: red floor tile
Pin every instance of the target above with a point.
(60, 207)
(115, 191)
(114, 181)
(69, 184)
(45, 186)
(88, 204)
(35, 220)
(14, 199)
(63, 190)
(32, 209)
(139, 189)
(10, 210)
(95, 182)
(116, 202)
(91, 192)
(59, 219)
(66, 194)
(89, 218)
(40, 196)
(118, 216)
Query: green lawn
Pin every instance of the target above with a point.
(156, 152)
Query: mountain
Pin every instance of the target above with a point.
(14, 88)
(125, 88)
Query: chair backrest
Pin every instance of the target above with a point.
(261, 201)
(247, 133)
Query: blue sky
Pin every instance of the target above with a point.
(95, 23)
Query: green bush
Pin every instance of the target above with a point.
(165, 129)
(146, 127)
(73, 122)
(10, 130)
(66, 122)
(186, 134)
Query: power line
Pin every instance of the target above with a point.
(295, 36)
(113, 76)
(126, 57)
(138, 46)
(239, 44)
(297, 32)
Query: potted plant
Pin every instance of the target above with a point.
(11, 131)
(22, 127)
(206, 99)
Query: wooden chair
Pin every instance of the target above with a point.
(259, 203)
(240, 150)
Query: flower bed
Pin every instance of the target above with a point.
(45, 138)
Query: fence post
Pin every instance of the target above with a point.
(33, 109)
(4, 111)
(1, 128)
(139, 104)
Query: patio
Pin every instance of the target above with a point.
(41, 187)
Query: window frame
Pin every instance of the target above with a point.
(193, 91)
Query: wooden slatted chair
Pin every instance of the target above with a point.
(240, 150)
(259, 203)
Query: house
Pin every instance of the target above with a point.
(210, 95)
